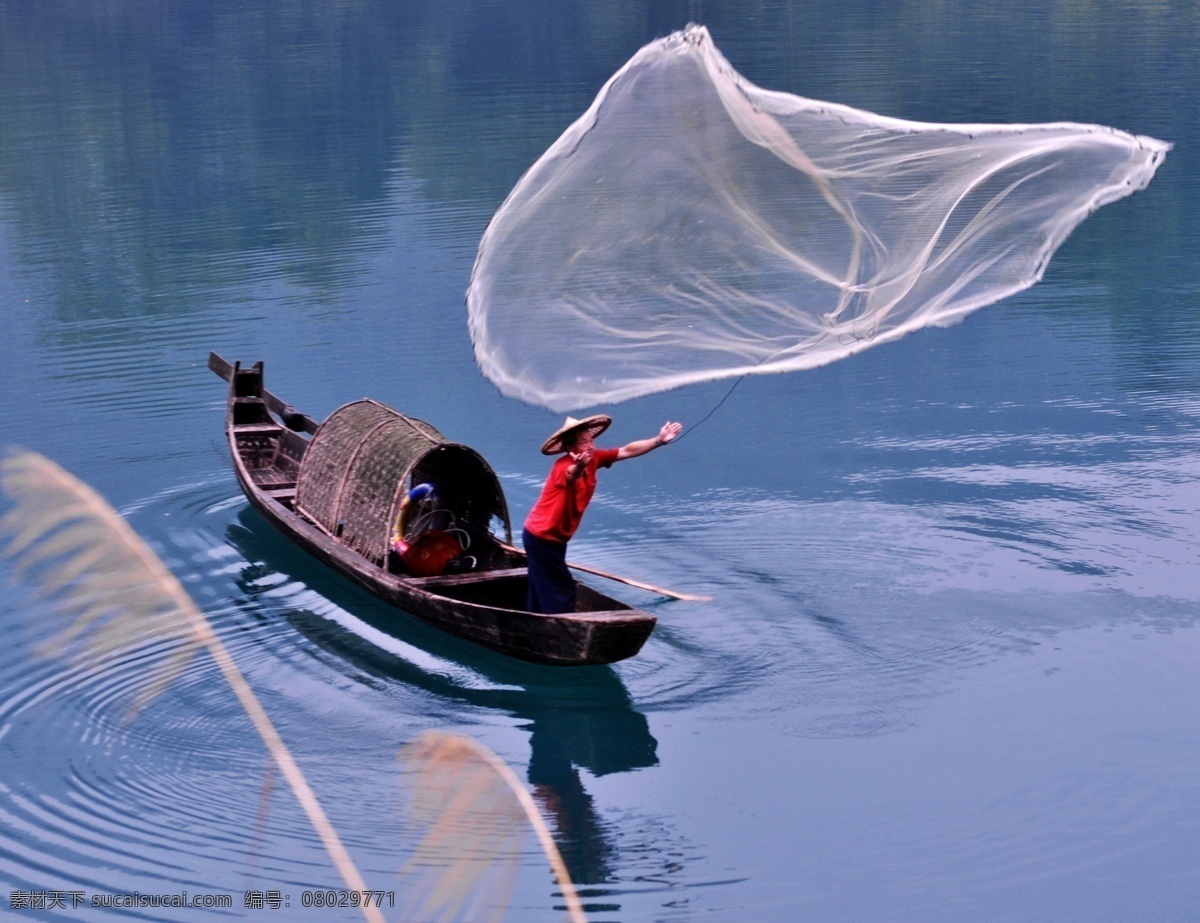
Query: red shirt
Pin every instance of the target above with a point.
(559, 509)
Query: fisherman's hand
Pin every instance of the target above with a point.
(669, 432)
(581, 459)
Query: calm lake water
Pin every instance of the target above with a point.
(951, 667)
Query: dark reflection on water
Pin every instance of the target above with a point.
(576, 719)
(948, 669)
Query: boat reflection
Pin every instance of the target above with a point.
(579, 719)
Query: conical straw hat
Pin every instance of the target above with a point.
(597, 424)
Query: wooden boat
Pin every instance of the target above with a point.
(338, 488)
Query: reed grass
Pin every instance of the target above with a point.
(90, 566)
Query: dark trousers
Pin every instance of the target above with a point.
(551, 586)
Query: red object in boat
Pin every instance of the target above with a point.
(429, 553)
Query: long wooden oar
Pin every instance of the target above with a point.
(626, 580)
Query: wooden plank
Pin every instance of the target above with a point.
(460, 579)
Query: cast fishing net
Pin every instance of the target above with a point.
(691, 226)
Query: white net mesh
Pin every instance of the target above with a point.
(691, 226)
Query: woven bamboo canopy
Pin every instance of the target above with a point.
(364, 459)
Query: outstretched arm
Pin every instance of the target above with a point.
(641, 446)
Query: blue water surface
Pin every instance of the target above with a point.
(950, 667)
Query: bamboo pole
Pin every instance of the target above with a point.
(662, 591)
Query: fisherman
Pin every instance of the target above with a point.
(568, 490)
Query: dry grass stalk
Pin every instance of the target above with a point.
(476, 811)
(87, 560)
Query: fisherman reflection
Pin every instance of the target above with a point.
(564, 740)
